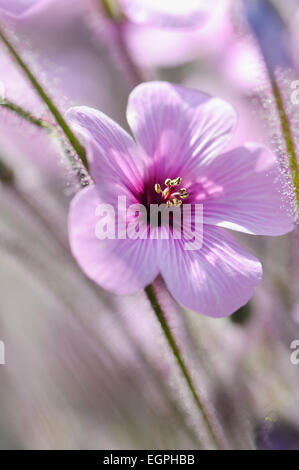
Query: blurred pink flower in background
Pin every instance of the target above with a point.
(168, 13)
(168, 46)
(238, 189)
(222, 41)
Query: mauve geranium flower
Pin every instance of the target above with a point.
(169, 13)
(180, 133)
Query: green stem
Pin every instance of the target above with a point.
(79, 149)
(112, 9)
(25, 114)
(287, 134)
(149, 290)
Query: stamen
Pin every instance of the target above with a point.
(177, 202)
(170, 194)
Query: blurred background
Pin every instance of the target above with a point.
(86, 369)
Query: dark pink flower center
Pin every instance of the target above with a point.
(171, 193)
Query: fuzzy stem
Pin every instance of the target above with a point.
(287, 134)
(25, 114)
(149, 290)
(51, 129)
(71, 137)
(112, 9)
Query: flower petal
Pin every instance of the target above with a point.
(169, 47)
(121, 266)
(21, 8)
(168, 13)
(250, 195)
(215, 280)
(112, 153)
(178, 128)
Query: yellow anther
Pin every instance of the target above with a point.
(170, 194)
(177, 202)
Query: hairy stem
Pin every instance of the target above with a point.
(149, 290)
(71, 137)
(50, 128)
(287, 134)
(112, 9)
(25, 114)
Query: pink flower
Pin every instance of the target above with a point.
(167, 45)
(166, 13)
(179, 132)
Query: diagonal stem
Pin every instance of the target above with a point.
(287, 134)
(15, 108)
(149, 290)
(71, 137)
(50, 128)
